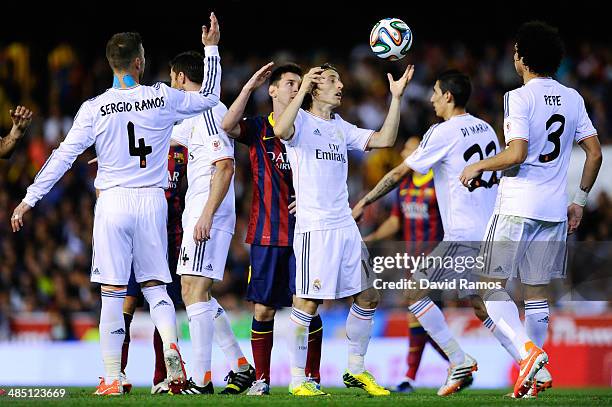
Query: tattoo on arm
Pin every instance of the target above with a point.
(388, 182)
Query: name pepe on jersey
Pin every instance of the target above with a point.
(120, 107)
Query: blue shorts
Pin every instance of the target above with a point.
(173, 288)
(271, 276)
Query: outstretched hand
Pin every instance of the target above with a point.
(210, 36)
(17, 217)
(259, 77)
(21, 117)
(397, 87)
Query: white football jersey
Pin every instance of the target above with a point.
(447, 148)
(131, 130)
(549, 116)
(318, 156)
(207, 143)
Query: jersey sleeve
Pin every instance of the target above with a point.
(433, 148)
(181, 133)
(298, 125)
(248, 130)
(516, 117)
(80, 137)
(220, 145)
(356, 138)
(187, 104)
(584, 128)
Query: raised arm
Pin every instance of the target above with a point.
(236, 110)
(592, 148)
(386, 136)
(283, 127)
(22, 117)
(188, 104)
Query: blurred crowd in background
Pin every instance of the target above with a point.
(46, 266)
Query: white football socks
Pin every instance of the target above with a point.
(112, 332)
(299, 321)
(503, 339)
(201, 330)
(431, 318)
(536, 321)
(504, 313)
(358, 332)
(162, 312)
(225, 339)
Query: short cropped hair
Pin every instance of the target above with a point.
(458, 84)
(191, 64)
(122, 49)
(289, 67)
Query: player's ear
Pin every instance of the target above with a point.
(272, 91)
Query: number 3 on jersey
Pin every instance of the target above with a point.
(554, 137)
(142, 150)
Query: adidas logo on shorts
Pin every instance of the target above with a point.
(316, 132)
(119, 331)
(162, 302)
(209, 267)
(96, 272)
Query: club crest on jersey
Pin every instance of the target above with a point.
(179, 158)
(316, 285)
(216, 144)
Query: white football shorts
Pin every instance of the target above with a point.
(130, 230)
(516, 247)
(206, 258)
(331, 264)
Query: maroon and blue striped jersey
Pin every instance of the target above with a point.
(270, 223)
(416, 205)
(177, 169)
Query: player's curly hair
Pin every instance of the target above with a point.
(540, 46)
(307, 103)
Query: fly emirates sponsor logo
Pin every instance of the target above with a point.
(331, 154)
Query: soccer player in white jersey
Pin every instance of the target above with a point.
(446, 148)
(130, 125)
(331, 259)
(209, 219)
(542, 119)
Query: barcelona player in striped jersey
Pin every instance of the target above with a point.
(416, 215)
(271, 225)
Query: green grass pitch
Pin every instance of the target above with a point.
(81, 396)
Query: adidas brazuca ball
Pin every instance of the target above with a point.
(391, 39)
